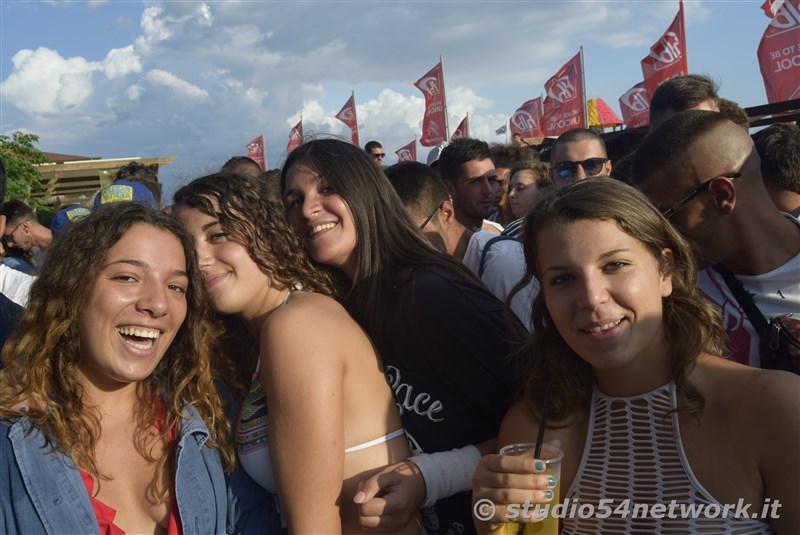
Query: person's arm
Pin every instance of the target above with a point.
(15, 285)
(302, 374)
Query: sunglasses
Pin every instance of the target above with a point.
(9, 238)
(428, 219)
(591, 166)
(378, 154)
(678, 206)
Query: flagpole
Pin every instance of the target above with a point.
(355, 115)
(415, 148)
(444, 100)
(583, 85)
(685, 36)
(467, 123)
(264, 151)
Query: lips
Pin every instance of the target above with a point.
(602, 328)
(321, 227)
(212, 280)
(138, 337)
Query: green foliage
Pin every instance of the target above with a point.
(20, 158)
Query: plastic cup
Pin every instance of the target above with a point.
(551, 456)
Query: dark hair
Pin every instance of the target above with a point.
(242, 165)
(418, 186)
(680, 94)
(42, 352)
(461, 151)
(664, 147)
(389, 243)
(146, 175)
(17, 211)
(540, 170)
(505, 155)
(623, 169)
(734, 113)
(779, 149)
(272, 179)
(574, 135)
(372, 145)
(692, 326)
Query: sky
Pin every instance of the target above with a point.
(197, 80)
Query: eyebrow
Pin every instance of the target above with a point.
(603, 256)
(210, 224)
(143, 265)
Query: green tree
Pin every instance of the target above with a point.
(20, 158)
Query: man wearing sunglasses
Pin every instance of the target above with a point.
(375, 151)
(23, 231)
(703, 172)
(578, 154)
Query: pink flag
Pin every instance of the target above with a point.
(295, 137)
(635, 106)
(348, 116)
(527, 120)
(667, 58)
(779, 53)
(407, 152)
(255, 151)
(462, 130)
(564, 107)
(434, 124)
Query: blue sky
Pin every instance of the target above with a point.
(197, 80)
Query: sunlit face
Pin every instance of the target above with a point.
(233, 281)
(133, 309)
(501, 189)
(321, 218)
(19, 236)
(474, 190)
(523, 192)
(604, 292)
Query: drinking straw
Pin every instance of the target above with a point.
(542, 425)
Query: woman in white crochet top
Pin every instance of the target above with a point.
(646, 411)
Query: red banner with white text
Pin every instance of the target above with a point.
(462, 131)
(564, 106)
(348, 116)
(527, 120)
(255, 151)
(635, 106)
(295, 137)
(434, 124)
(667, 58)
(779, 51)
(407, 153)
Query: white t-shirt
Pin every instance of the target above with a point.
(503, 268)
(776, 293)
(15, 285)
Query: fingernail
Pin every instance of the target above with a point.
(551, 481)
(548, 494)
(539, 465)
(359, 497)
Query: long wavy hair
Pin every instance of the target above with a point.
(389, 244)
(692, 326)
(42, 352)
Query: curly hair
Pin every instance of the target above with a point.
(42, 353)
(692, 326)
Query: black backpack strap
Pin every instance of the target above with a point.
(482, 265)
(758, 320)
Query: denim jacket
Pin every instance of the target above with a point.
(42, 492)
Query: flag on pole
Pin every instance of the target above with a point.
(564, 107)
(527, 120)
(635, 106)
(348, 116)
(407, 153)
(255, 151)
(295, 137)
(463, 129)
(501, 130)
(779, 51)
(434, 124)
(667, 58)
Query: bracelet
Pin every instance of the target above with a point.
(447, 472)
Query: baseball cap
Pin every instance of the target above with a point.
(66, 216)
(433, 155)
(124, 191)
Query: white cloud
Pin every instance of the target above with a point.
(120, 62)
(134, 92)
(182, 88)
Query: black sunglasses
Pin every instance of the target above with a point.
(378, 154)
(591, 167)
(675, 208)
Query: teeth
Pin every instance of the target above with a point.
(604, 327)
(140, 332)
(320, 228)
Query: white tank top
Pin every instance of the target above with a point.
(633, 451)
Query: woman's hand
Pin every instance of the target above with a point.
(390, 499)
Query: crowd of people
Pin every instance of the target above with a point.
(338, 346)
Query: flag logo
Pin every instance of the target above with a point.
(636, 99)
(524, 121)
(430, 85)
(404, 154)
(562, 90)
(347, 114)
(666, 51)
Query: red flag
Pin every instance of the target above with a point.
(295, 137)
(255, 151)
(407, 152)
(434, 124)
(635, 106)
(667, 58)
(462, 130)
(527, 120)
(779, 54)
(348, 116)
(564, 107)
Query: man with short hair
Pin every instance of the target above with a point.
(578, 154)
(242, 165)
(498, 261)
(682, 93)
(468, 172)
(703, 172)
(375, 151)
(24, 232)
(779, 149)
